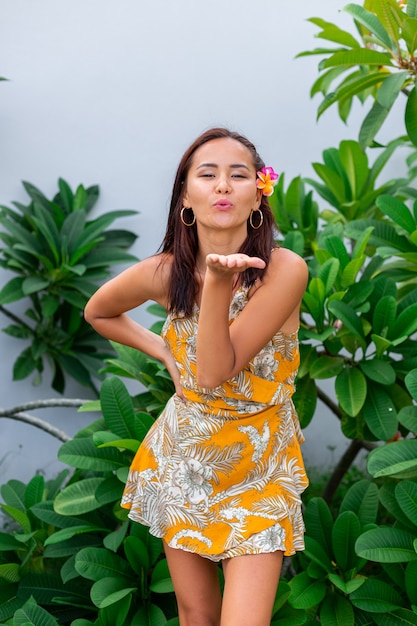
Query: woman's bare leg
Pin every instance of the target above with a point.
(251, 583)
(197, 587)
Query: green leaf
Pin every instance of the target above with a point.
(328, 273)
(380, 414)
(44, 511)
(361, 56)
(82, 453)
(78, 498)
(34, 285)
(411, 115)
(351, 271)
(346, 530)
(117, 408)
(152, 615)
(336, 611)
(35, 491)
(305, 400)
(65, 194)
(336, 34)
(160, 579)
(407, 416)
(136, 554)
(401, 617)
(384, 315)
(390, 89)
(319, 523)
(98, 563)
(294, 241)
(68, 533)
(348, 316)
(34, 615)
(376, 596)
(379, 371)
(409, 28)
(19, 517)
(351, 390)
(372, 23)
(411, 383)
(397, 211)
(410, 582)
(386, 545)
(306, 593)
(394, 459)
(326, 367)
(355, 163)
(12, 291)
(371, 124)
(406, 494)
(349, 88)
(114, 540)
(8, 542)
(10, 572)
(405, 324)
(381, 344)
(108, 591)
(317, 553)
(348, 586)
(362, 499)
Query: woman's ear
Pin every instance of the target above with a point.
(258, 198)
(185, 201)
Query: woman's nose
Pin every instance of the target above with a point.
(223, 185)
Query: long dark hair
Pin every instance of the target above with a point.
(181, 241)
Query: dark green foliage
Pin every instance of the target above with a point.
(59, 257)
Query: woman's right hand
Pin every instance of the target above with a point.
(173, 371)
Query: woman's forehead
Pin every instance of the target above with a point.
(223, 151)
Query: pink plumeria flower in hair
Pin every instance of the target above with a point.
(267, 179)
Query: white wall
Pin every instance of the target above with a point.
(112, 92)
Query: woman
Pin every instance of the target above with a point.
(219, 475)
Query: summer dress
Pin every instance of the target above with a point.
(221, 474)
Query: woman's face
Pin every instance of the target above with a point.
(221, 185)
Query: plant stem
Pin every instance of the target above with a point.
(14, 317)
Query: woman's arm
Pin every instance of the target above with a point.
(223, 350)
(106, 310)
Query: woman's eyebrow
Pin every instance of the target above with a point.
(233, 165)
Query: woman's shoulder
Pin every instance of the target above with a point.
(286, 263)
(154, 271)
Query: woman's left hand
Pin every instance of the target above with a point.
(229, 264)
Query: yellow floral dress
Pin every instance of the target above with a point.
(222, 473)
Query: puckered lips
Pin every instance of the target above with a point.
(223, 204)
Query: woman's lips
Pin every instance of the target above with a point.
(223, 204)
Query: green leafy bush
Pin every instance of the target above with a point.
(60, 257)
(70, 546)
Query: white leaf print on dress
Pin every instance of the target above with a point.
(259, 442)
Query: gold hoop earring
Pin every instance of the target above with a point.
(185, 208)
(261, 219)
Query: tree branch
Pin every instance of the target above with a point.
(17, 413)
(343, 466)
(329, 402)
